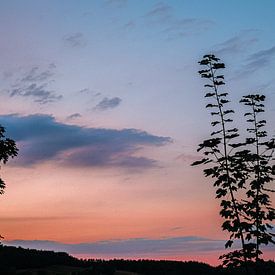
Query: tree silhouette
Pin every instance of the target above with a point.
(241, 175)
(8, 150)
(260, 169)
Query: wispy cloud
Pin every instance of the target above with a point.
(256, 62)
(75, 40)
(189, 158)
(187, 26)
(35, 84)
(89, 91)
(41, 138)
(176, 228)
(129, 25)
(74, 116)
(238, 43)
(117, 3)
(162, 14)
(260, 59)
(38, 92)
(35, 75)
(159, 11)
(108, 103)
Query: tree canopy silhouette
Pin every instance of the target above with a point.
(8, 149)
(242, 169)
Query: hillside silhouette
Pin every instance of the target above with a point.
(15, 260)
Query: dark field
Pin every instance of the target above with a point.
(35, 262)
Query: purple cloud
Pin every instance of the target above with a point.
(34, 84)
(135, 248)
(139, 247)
(75, 40)
(108, 103)
(41, 138)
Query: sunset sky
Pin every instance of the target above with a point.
(105, 103)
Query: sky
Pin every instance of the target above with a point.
(105, 103)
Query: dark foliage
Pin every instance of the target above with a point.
(8, 150)
(242, 171)
(226, 168)
(21, 258)
(258, 156)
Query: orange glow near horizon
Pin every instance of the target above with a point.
(108, 209)
(111, 207)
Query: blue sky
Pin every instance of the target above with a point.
(112, 108)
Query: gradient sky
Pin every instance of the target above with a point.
(107, 108)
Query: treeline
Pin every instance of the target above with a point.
(30, 261)
(165, 267)
(21, 258)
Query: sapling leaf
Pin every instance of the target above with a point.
(223, 101)
(211, 105)
(217, 83)
(208, 85)
(203, 71)
(228, 112)
(232, 130)
(204, 75)
(228, 120)
(204, 62)
(202, 161)
(214, 123)
(223, 94)
(209, 94)
(218, 66)
(228, 243)
(216, 132)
